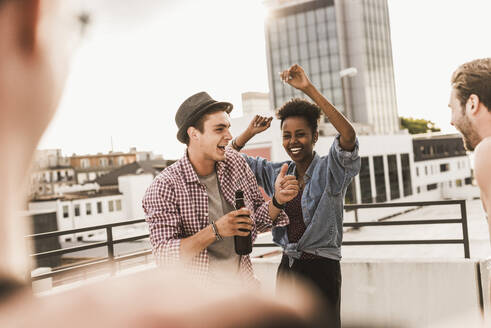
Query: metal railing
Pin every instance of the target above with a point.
(462, 220)
(111, 259)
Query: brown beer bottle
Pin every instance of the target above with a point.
(243, 244)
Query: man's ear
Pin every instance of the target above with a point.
(472, 105)
(315, 137)
(27, 13)
(192, 132)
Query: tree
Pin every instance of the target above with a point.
(417, 125)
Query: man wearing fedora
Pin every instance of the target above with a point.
(189, 207)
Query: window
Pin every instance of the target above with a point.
(418, 190)
(118, 205)
(444, 167)
(378, 165)
(121, 161)
(406, 175)
(314, 66)
(312, 46)
(294, 53)
(292, 37)
(417, 171)
(320, 15)
(88, 208)
(300, 19)
(77, 209)
(99, 207)
(458, 183)
(103, 162)
(110, 205)
(393, 177)
(66, 212)
(310, 18)
(366, 189)
(431, 186)
(304, 52)
(302, 35)
(84, 163)
(426, 170)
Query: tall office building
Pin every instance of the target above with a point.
(326, 37)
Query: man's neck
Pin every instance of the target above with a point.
(482, 125)
(201, 164)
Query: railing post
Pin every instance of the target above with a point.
(30, 245)
(465, 234)
(110, 249)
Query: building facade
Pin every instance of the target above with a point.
(256, 103)
(96, 207)
(90, 167)
(50, 172)
(326, 37)
(83, 209)
(401, 167)
(441, 164)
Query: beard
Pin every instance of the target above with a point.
(469, 134)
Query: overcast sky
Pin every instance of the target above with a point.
(140, 59)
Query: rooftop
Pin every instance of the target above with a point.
(153, 167)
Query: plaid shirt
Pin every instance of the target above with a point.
(176, 207)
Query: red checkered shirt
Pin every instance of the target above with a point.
(176, 207)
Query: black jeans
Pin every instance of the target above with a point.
(324, 275)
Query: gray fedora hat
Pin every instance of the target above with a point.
(193, 108)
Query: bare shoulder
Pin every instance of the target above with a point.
(482, 163)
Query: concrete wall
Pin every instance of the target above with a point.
(133, 188)
(418, 293)
(485, 266)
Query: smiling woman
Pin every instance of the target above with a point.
(312, 240)
(299, 121)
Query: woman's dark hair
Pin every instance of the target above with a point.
(301, 108)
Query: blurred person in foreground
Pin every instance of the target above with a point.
(190, 206)
(312, 240)
(470, 102)
(37, 38)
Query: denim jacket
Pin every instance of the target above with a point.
(326, 181)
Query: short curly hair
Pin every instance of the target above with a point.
(300, 108)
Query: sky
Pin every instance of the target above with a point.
(140, 59)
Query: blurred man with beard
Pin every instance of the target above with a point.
(470, 102)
